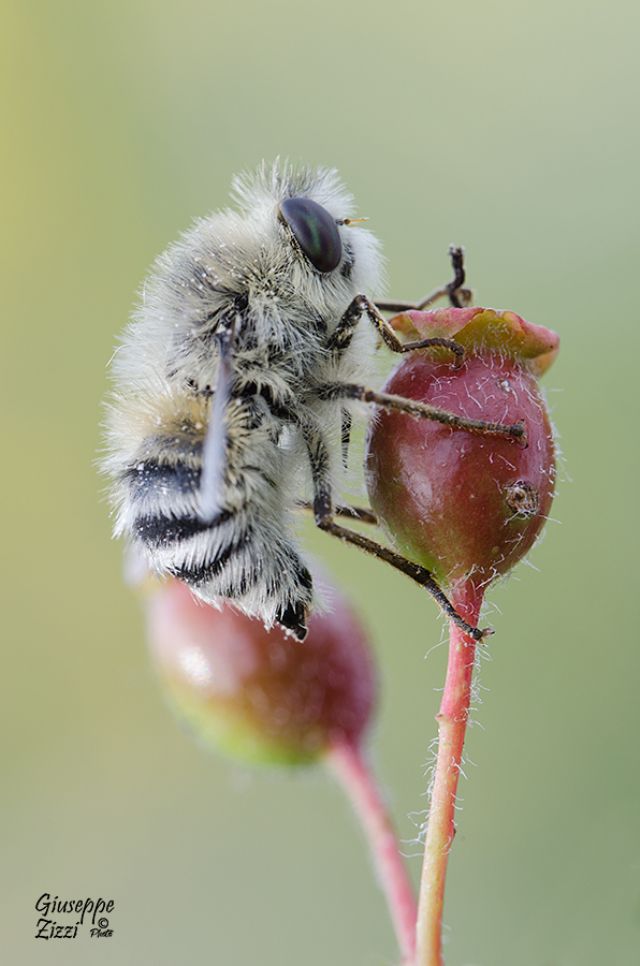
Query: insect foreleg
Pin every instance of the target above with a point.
(420, 409)
(342, 335)
(324, 518)
(457, 295)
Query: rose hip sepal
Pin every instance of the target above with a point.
(457, 502)
(254, 693)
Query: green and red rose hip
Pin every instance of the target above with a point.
(254, 693)
(461, 503)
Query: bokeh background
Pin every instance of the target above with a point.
(508, 126)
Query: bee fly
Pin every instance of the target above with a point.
(236, 379)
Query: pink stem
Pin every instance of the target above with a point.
(356, 778)
(452, 725)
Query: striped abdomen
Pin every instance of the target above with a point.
(246, 552)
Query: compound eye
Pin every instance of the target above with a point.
(315, 231)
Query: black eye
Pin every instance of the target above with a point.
(315, 231)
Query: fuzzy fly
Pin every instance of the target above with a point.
(234, 390)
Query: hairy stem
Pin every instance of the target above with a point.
(452, 725)
(356, 778)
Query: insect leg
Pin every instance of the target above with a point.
(345, 436)
(342, 335)
(457, 295)
(360, 513)
(324, 517)
(423, 410)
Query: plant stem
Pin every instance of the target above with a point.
(354, 775)
(452, 725)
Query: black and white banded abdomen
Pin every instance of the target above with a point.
(246, 553)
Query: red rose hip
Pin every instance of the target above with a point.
(457, 502)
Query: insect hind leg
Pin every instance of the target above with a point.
(292, 616)
(270, 581)
(324, 517)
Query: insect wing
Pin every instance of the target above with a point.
(214, 447)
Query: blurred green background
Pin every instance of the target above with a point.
(508, 126)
